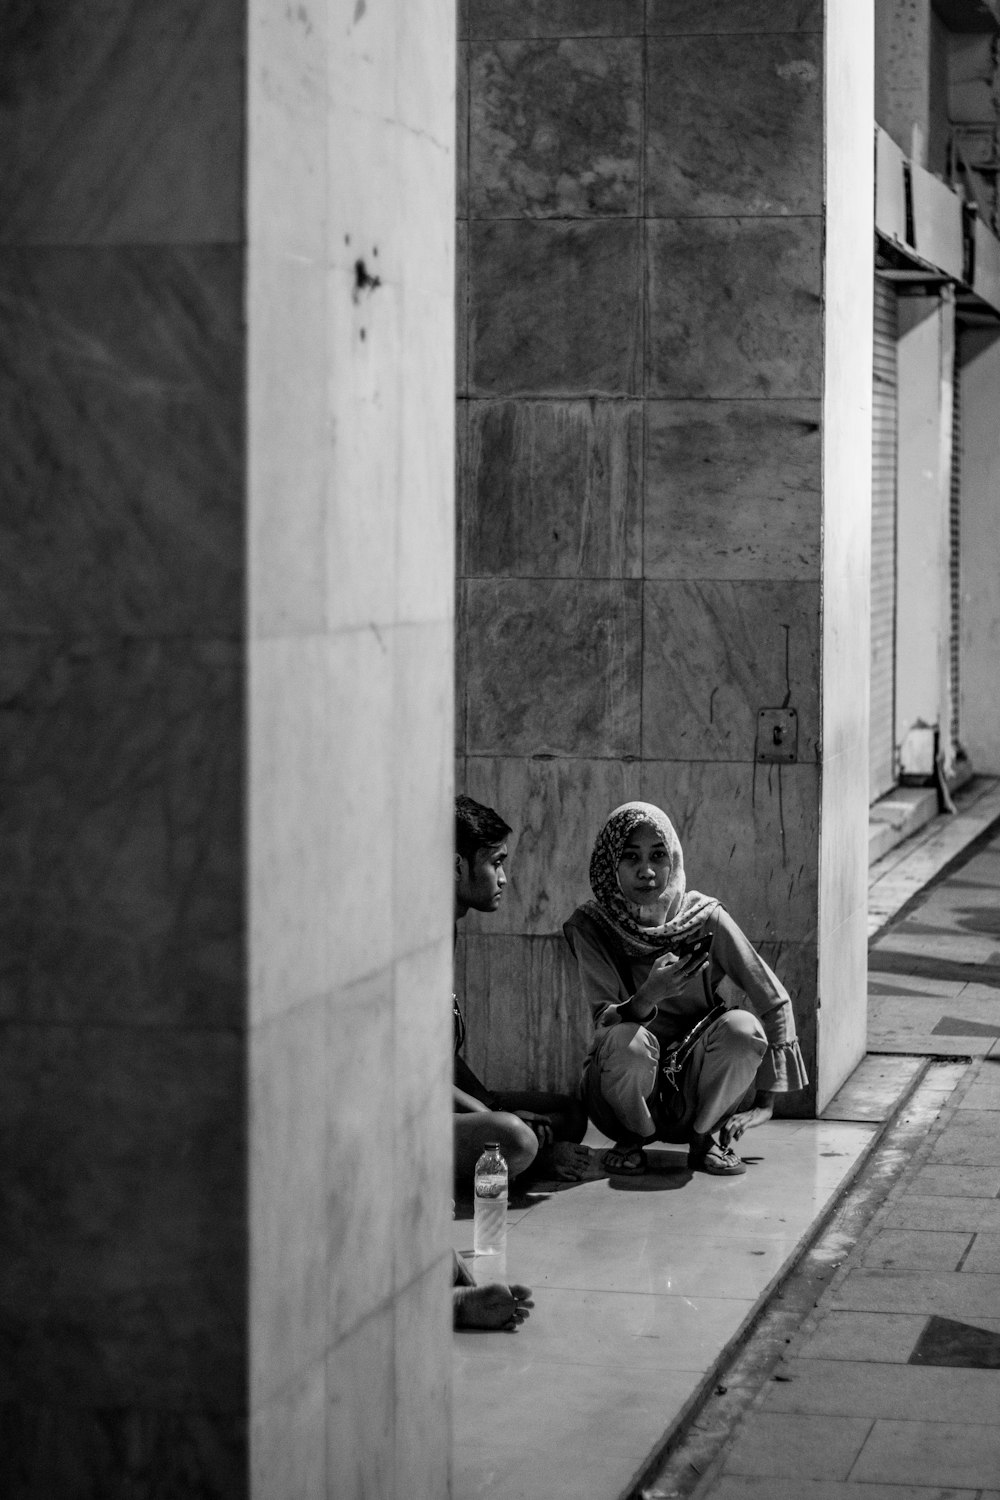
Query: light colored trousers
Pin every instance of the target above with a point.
(620, 1075)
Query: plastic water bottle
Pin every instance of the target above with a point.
(490, 1224)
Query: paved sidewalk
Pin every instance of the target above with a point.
(891, 1389)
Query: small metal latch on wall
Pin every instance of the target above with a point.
(777, 734)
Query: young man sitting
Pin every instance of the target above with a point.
(531, 1128)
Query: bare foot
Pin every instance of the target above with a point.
(492, 1306)
(564, 1160)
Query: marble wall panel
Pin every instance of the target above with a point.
(422, 1187)
(553, 489)
(122, 464)
(288, 1440)
(528, 640)
(362, 224)
(361, 1410)
(286, 106)
(422, 830)
(528, 18)
(461, 308)
(846, 666)
(844, 854)
(556, 127)
(423, 1385)
(289, 440)
(425, 530)
(461, 485)
(841, 1024)
(122, 1271)
(360, 1134)
(316, 704)
(288, 1208)
(48, 1451)
(461, 699)
(750, 836)
(715, 653)
(734, 307)
(363, 470)
(424, 61)
(462, 135)
(796, 966)
(556, 808)
(555, 307)
(424, 183)
(528, 1025)
(123, 124)
(759, 149)
(732, 489)
(121, 823)
(680, 17)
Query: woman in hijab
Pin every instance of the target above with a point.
(651, 956)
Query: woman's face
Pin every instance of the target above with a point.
(644, 867)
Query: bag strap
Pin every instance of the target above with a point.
(674, 1058)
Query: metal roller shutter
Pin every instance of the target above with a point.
(883, 649)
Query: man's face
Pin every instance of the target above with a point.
(480, 882)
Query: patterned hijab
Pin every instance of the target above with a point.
(643, 931)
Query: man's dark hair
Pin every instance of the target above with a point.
(477, 827)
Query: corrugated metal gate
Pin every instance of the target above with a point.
(882, 758)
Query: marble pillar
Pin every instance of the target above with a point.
(648, 501)
(226, 564)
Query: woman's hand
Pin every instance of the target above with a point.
(734, 1127)
(670, 976)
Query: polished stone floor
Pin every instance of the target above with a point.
(640, 1285)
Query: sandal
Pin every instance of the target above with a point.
(625, 1161)
(717, 1160)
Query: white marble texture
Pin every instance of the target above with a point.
(289, 447)
(288, 1210)
(350, 308)
(846, 551)
(639, 1285)
(321, 712)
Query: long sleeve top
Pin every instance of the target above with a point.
(609, 980)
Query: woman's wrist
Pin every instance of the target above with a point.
(642, 1008)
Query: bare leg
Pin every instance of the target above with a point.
(516, 1140)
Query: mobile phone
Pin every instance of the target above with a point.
(698, 946)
